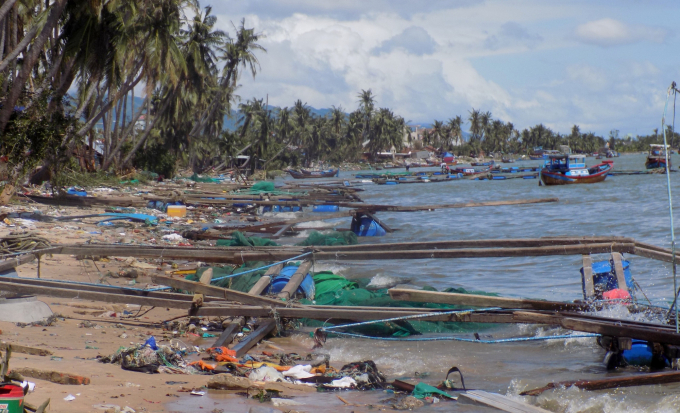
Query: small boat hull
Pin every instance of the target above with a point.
(556, 178)
(656, 163)
(313, 174)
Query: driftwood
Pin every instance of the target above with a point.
(611, 383)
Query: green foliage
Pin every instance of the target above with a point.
(156, 158)
(31, 136)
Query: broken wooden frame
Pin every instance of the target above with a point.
(229, 303)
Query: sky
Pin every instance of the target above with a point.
(601, 65)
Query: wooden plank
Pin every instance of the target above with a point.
(379, 222)
(497, 401)
(228, 294)
(483, 243)
(611, 383)
(653, 254)
(228, 334)
(373, 208)
(619, 328)
(589, 288)
(16, 348)
(618, 271)
(347, 313)
(261, 332)
(474, 300)
(18, 260)
(294, 282)
(109, 289)
(235, 326)
(52, 376)
(72, 293)
(282, 231)
(205, 279)
(265, 280)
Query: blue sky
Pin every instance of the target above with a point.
(600, 64)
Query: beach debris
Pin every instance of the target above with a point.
(610, 383)
(52, 376)
(70, 397)
(143, 358)
(227, 381)
(408, 403)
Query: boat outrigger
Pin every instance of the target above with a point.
(657, 157)
(571, 169)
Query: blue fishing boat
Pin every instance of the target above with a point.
(571, 169)
(657, 157)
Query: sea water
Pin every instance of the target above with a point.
(633, 206)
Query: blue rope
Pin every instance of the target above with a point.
(260, 268)
(468, 340)
(449, 338)
(410, 317)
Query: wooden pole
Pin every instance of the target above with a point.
(478, 300)
(294, 282)
(611, 383)
(228, 294)
(233, 328)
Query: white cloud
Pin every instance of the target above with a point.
(609, 32)
(436, 64)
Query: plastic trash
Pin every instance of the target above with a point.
(343, 383)
(265, 373)
(70, 397)
(151, 342)
(301, 371)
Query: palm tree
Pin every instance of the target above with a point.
(454, 125)
(366, 107)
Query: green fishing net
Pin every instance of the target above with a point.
(240, 240)
(315, 238)
(203, 179)
(333, 289)
(330, 238)
(263, 186)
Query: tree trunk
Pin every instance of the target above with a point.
(3, 30)
(130, 129)
(90, 123)
(6, 7)
(141, 140)
(29, 62)
(23, 44)
(67, 78)
(13, 42)
(48, 79)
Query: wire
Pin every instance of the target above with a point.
(671, 89)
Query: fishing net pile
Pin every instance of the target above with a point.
(146, 358)
(314, 239)
(333, 289)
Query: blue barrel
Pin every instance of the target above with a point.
(640, 354)
(326, 208)
(370, 228)
(390, 183)
(279, 282)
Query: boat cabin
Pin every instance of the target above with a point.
(658, 150)
(571, 165)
